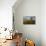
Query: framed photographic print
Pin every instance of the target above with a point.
(29, 20)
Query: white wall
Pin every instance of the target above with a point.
(29, 8)
(43, 22)
(6, 13)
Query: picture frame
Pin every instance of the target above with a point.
(29, 20)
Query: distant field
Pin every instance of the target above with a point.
(29, 22)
